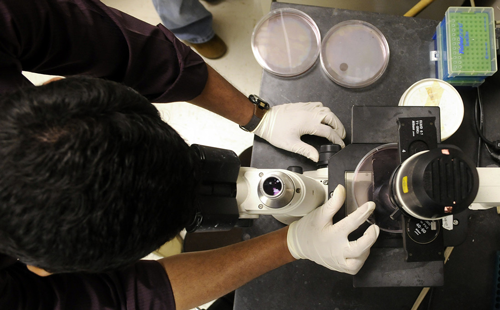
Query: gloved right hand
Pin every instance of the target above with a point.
(316, 238)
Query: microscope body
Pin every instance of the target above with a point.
(284, 194)
(230, 195)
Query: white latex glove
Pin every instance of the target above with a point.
(283, 125)
(314, 237)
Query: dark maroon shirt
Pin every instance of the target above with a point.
(144, 285)
(85, 37)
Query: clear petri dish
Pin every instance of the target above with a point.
(286, 42)
(435, 92)
(372, 182)
(354, 54)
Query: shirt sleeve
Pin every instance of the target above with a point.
(85, 37)
(144, 285)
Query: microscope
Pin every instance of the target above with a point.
(233, 196)
(423, 190)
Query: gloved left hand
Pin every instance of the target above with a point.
(283, 125)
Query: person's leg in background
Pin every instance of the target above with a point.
(191, 22)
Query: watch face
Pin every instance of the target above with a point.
(263, 105)
(259, 102)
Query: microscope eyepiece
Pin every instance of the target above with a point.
(276, 189)
(272, 186)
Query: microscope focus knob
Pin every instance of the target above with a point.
(296, 169)
(325, 152)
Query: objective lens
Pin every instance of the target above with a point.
(272, 186)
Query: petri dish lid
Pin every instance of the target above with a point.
(354, 54)
(372, 182)
(435, 92)
(286, 42)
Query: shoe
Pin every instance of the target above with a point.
(212, 1)
(212, 49)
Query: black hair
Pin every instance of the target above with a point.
(91, 178)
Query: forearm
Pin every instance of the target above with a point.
(220, 97)
(199, 277)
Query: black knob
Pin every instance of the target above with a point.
(296, 169)
(325, 152)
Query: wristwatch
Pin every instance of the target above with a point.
(259, 110)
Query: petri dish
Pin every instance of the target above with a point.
(354, 54)
(372, 182)
(435, 92)
(286, 42)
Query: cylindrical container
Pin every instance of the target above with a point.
(435, 92)
(354, 54)
(286, 42)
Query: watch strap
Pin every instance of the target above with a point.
(254, 122)
(259, 110)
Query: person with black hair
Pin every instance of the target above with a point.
(90, 164)
(92, 179)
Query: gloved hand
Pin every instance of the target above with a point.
(314, 237)
(283, 125)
